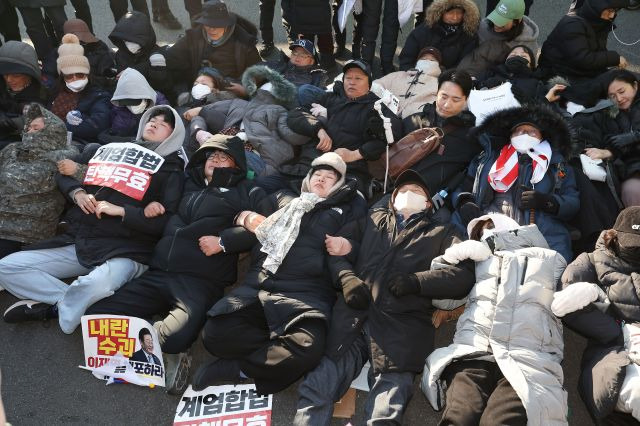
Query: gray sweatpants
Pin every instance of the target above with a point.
(37, 274)
(388, 396)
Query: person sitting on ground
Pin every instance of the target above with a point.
(20, 85)
(260, 121)
(343, 121)
(301, 67)
(600, 291)
(450, 26)
(83, 106)
(208, 87)
(384, 314)
(109, 240)
(132, 97)
(101, 58)
(502, 30)
(523, 173)
(282, 307)
(577, 47)
(220, 39)
(504, 365)
(31, 205)
(519, 69)
(417, 86)
(197, 256)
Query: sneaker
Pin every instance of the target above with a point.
(167, 19)
(267, 50)
(30, 310)
(176, 372)
(216, 372)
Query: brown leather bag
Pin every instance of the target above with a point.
(412, 148)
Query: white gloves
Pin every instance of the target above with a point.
(470, 249)
(202, 136)
(157, 60)
(74, 117)
(318, 110)
(574, 297)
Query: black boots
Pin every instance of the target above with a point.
(162, 15)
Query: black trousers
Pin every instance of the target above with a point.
(120, 7)
(7, 247)
(274, 363)
(478, 394)
(193, 7)
(35, 24)
(184, 300)
(371, 11)
(83, 12)
(267, 10)
(9, 22)
(341, 37)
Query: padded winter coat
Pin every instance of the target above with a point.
(508, 315)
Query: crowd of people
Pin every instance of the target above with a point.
(519, 217)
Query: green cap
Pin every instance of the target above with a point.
(506, 11)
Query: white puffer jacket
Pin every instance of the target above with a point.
(508, 316)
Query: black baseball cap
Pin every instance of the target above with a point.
(305, 44)
(359, 63)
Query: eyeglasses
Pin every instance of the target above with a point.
(218, 156)
(301, 55)
(74, 76)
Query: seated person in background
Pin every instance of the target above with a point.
(343, 121)
(443, 168)
(577, 47)
(208, 87)
(600, 291)
(384, 313)
(451, 26)
(31, 205)
(504, 365)
(272, 327)
(197, 256)
(416, 86)
(132, 97)
(100, 56)
(502, 30)
(109, 240)
(523, 173)
(20, 85)
(518, 69)
(260, 121)
(302, 67)
(83, 106)
(220, 39)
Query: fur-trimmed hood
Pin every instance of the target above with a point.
(471, 18)
(255, 76)
(554, 128)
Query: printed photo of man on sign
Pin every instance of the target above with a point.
(122, 349)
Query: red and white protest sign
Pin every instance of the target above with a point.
(226, 405)
(125, 167)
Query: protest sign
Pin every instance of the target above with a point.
(483, 103)
(226, 405)
(113, 350)
(125, 167)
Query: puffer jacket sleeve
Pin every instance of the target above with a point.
(415, 41)
(568, 196)
(287, 134)
(303, 123)
(575, 48)
(341, 267)
(96, 120)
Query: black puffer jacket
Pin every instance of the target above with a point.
(605, 358)
(433, 33)
(351, 123)
(577, 46)
(310, 74)
(235, 53)
(302, 287)
(400, 329)
(209, 210)
(525, 84)
(440, 167)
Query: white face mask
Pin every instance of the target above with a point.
(486, 233)
(138, 109)
(409, 202)
(523, 143)
(77, 85)
(132, 47)
(427, 66)
(200, 90)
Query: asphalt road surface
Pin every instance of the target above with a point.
(42, 383)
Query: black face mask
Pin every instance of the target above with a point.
(225, 177)
(517, 65)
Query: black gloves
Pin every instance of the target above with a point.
(468, 211)
(403, 284)
(355, 292)
(623, 141)
(539, 201)
(7, 122)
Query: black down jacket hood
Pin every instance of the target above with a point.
(134, 27)
(224, 177)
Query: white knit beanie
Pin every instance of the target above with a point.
(71, 57)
